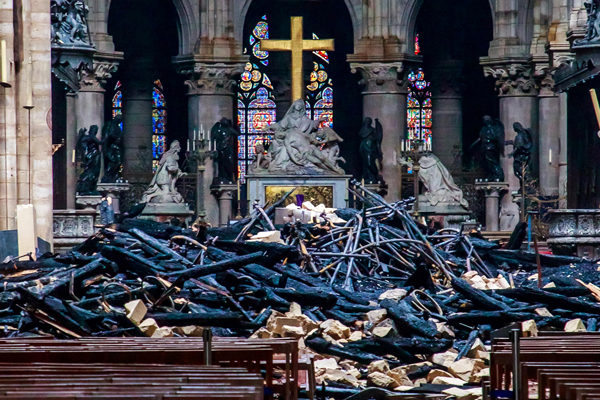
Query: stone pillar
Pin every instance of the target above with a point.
(89, 104)
(71, 146)
(491, 191)
(447, 113)
(562, 152)
(384, 99)
(225, 195)
(137, 123)
(549, 132)
(211, 90)
(518, 103)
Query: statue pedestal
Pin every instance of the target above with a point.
(88, 202)
(454, 214)
(330, 190)
(492, 191)
(224, 193)
(165, 212)
(114, 190)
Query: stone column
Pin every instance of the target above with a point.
(211, 90)
(384, 99)
(549, 132)
(447, 113)
(71, 146)
(562, 153)
(89, 104)
(137, 123)
(518, 103)
(225, 195)
(491, 191)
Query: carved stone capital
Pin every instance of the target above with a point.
(93, 78)
(545, 80)
(513, 79)
(378, 76)
(210, 78)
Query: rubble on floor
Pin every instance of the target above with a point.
(378, 299)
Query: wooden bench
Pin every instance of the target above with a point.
(152, 381)
(252, 354)
(578, 351)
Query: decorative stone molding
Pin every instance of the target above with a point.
(513, 79)
(93, 78)
(209, 78)
(378, 76)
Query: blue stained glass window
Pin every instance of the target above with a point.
(256, 108)
(117, 101)
(419, 112)
(159, 124)
(319, 96)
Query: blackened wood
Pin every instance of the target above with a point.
(467, 346)
(321, 345)
(406, 321)
(128, 261)
(495, 318)
(217, 267)
(215, 318)
(307, 298)
(551, 299)
(477, 296)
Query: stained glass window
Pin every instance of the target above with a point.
(159, 124)
(117, 101)
(419, 113)
(256, 108)
(319, 96)
(417, 45)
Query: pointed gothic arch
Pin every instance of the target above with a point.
(407, 21)
(188, 27)
(354, 8)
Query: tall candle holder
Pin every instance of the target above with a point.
(201, 151)
(413, 150)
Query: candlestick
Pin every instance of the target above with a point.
(3, 63)
(73, 157)
(238, 191)
(188, 145)
(549, 156)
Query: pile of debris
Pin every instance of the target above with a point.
(378, 298)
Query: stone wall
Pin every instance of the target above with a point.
(26, 140)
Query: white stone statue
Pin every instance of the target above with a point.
(439, 184)
(300, 147)
(162, 186)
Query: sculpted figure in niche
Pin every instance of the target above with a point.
(69, 22)
(299, 146)
(112, 149)
(162, 186)
(592, 26)
(225, 135)
(89, 146)
(371, 155)
(491, 143)
(439, 184)
(522, 146)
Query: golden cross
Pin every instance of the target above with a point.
(297, 44)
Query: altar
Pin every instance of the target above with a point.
(329, 190)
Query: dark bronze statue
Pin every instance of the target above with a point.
(491, 143)
(88, 146)
(592, 26)
(225, 135)
(69, 23)
(112, 149)
(371, 155)
(522, 146)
